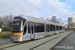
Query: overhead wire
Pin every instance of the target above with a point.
(60, 7)
(42, 9)
(31, 4)
(35, 6)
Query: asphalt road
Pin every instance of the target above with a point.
(67, 44)
(5, 41)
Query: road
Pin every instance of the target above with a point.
(67, 44)
(5, 41)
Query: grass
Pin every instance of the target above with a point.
(5, 35)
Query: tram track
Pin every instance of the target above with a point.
(15, 44)
(29, 41)
(4, 44)
(45, 42)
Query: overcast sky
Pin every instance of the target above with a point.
(48, 8)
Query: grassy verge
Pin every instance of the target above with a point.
(5, 35)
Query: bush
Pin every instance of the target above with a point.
(5, 35)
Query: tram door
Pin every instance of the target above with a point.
(32, 30)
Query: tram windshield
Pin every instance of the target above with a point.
(16, 24)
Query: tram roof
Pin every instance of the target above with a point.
(37, 19)
(33, 18)
(53, 23)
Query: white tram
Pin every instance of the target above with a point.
(26, 28)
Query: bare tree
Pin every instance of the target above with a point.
(1, 21)
(59, 20)
(48, 19)
(5, 22)
(41, 18)
(54, 19)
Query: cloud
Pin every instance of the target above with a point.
(70, 1)
(48, 8)
(71, 14)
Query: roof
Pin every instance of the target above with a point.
(37, 19)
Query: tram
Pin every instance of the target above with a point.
(27, 28)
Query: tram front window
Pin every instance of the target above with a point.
(16, 26)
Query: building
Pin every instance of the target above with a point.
(71, 23)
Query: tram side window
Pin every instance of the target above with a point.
(52, 28)
(38, 27)
(28, 27)
(25, 28)
(41, 26)
(60, 27)
(23, 21)
(35, 27)
(47, 27)
(56, 27)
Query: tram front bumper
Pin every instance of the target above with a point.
(16, 39)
